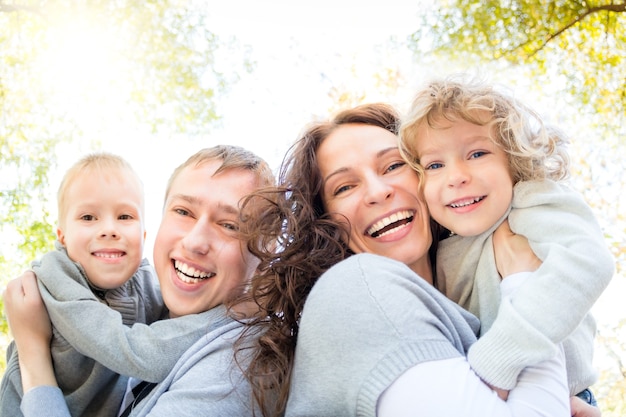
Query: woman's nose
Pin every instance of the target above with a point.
(378, 191)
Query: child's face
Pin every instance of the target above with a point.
(198, 258)
(103, 227)
(468, 184)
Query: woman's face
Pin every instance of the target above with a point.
(367, 183)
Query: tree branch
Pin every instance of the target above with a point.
(615, 8)
(8, 8)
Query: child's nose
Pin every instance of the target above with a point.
(457, 175)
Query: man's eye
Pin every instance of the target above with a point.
(231, 226)
(182, 212)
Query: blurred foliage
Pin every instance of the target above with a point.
(577, 44)
(61, 61)
(597, 174)
(612, 394)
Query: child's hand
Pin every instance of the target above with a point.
(582, 409)
(502, 393)
(26, 312)
(31, 328)
(512, 252)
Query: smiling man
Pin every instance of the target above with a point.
(201, 264)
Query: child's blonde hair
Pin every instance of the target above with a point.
(535, 151)
(97, 161)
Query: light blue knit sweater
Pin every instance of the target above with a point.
(366, 321)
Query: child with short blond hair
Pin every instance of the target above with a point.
(486, 157)
(99, 258)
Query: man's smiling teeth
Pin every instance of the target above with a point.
(467, 202)
(189, 274)
(390, 224)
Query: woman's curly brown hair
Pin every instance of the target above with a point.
(288, 229)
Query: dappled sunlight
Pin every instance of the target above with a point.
(83, 71)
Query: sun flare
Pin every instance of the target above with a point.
(83, 65)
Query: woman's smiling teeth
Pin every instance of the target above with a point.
(390, 224)
(189, 274)
(463, 203)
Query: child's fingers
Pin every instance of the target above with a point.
(29, 286)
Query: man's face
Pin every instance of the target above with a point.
(198, 258)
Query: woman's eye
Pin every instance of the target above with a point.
(342, 189)
(395, 166)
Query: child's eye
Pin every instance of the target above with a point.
(477, 154)
(87, 217)
(125, 217)
(434, 165)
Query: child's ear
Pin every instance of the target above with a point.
(61, 237)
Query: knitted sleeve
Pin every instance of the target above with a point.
(577, 267)
(44, 401)
(146, 352)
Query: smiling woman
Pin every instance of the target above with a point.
(374, 174)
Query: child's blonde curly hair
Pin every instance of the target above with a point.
(534, 150)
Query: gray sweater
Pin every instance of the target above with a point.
(367, 320)
(94, 348)
(552, 306)
(205, 382)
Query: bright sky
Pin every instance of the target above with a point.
(300, 52)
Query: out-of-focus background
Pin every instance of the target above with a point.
(154, 81)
